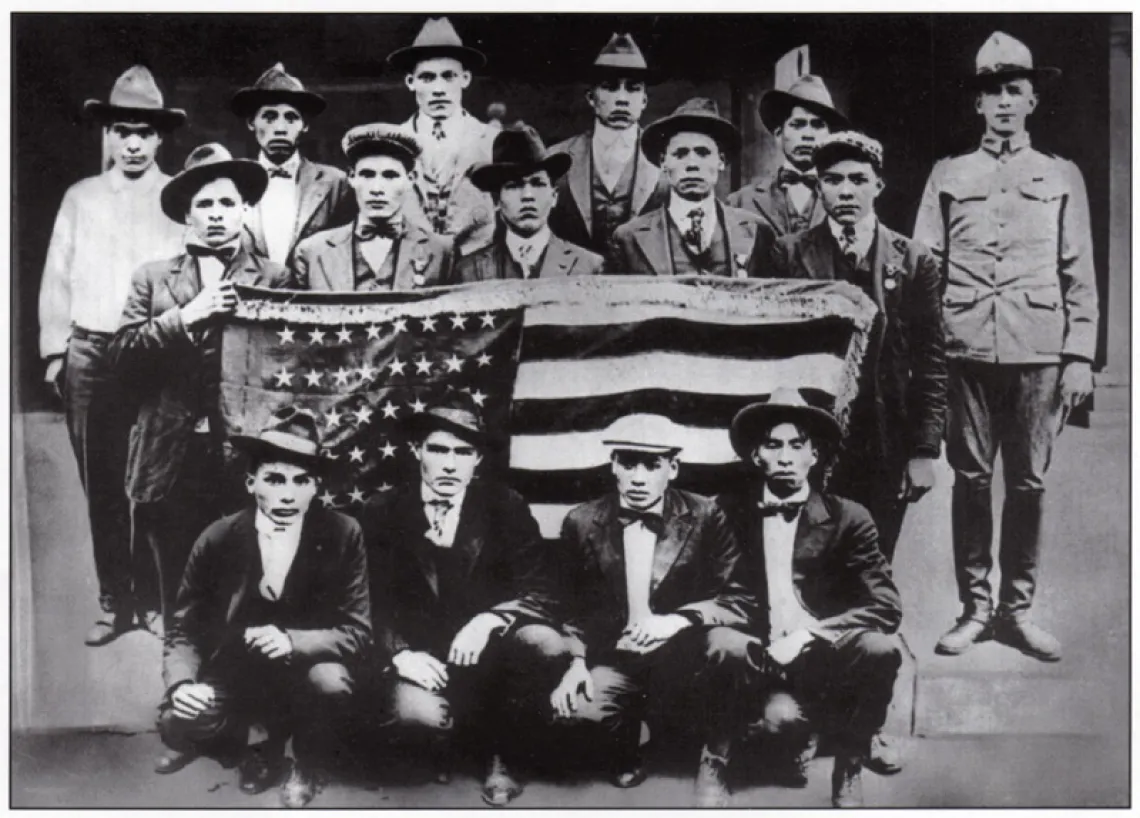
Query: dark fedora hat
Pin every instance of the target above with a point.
(620, 57)
(456, 413)
(807, 92)
(290, 437)
(135, 98)
(1003, 57)
(381, 139)
(784, 405)
(699, 115)
(205, 164)
(276, 87)
(516, 152)
(437, 38)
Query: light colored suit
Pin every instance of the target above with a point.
(324, 261)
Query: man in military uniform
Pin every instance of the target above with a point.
(1010, 226)
(799, 118)
(438, 69)
(611, 180)
(303, 197)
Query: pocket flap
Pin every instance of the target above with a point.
(1042, 190)
(1044, 301)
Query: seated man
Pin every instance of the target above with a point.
(649, 569)
(272, 612)
(828, 603)
(461, 584)
(521, 179)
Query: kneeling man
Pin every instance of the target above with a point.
(273, 611)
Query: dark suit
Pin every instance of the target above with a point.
(559, 259)
(642, 247)
(325, 261)
(173, 472)
(323, 608)
(770, 202)
(324, 200)
(900, 412)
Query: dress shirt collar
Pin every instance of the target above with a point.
(864, 233)
(679, 211)
(427, 494)
(515, 244)
(612, 139)
(995, 145)
(264, 525)
(800, 496)
(119, 181)
(292, 164)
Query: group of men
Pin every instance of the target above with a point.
(444, 599)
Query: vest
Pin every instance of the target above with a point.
(799, 221)
(713, 261)
(611, 209)
(366, 279)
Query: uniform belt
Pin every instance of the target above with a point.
(84, 334)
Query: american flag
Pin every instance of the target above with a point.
(552, 363)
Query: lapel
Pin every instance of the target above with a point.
(816, 252)
(248, 560)
(769, 203)
(606, 541)
(308, 559)
(558, 259)
(578, 179)
(244, 269)
(645, 181)
(254, 234)
(415, 259)
(497, 262)
(888, 254)
(336, 262)
(678, 526)
(409, 534)
(471, 530)
(741, 238)
(312, 189)
(652, 237)
(182, 280)
(814, 534)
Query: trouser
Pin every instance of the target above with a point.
(170, 526)
(1015, 410)
(307, 701)
(98, 423)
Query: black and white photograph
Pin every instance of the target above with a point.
(576, 409)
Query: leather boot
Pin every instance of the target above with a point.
(711, 785)
(1019, 633)
(500, 786)
(965, 633)
(1022, 516)
(972, 532)
(884, 757)
(300, 787)
(847, 781)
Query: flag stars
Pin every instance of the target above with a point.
(341, 376)
(317, 336)
(383, 487)
(363, 414)
(387, 450)
(344, 335)
(356, 495)
(332, 418)
(328, 498)
(313, 377)
(478, 397)
(389, 409)
(284, 377)
(429, 324)
(453, 363)
(356, 455)
(423, 366)
(286, 335)
(373, 331)
(400, 325)
(418, 405)
(484, 360)
(396, 366)
(457, 321)
(488, 319)
(367, 372)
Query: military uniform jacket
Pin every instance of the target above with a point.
(769, 201)
(559, 259)
(325, 262)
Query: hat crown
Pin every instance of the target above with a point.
(209, 154)
(811, 88)
(436, 32)
(1002, 52)
(380, 133)
(621, 52)
(643, 431)
(278, 79)
(518, 144)
(698, 106)
(458, 409)
(788, 396)
(136, 88)
(854, 142)
(292, 430)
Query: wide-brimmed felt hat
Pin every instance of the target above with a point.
(135, 98)
(784, 405)
(807, 92)
(276, 87)
(381, 139)
(437, 38)
(842, 145)
(456, 413)
(699, 115)
(205, 164)
(291, 437)
(643, 432)
(1003, 57)
(518, 151)
(620, 57)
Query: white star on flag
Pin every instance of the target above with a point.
(341, 376)
(388, 450)
(313, 377)
(478, 397)
(344, 335)
(356, 495)
(284, 377)
(484, 359)
(373, 331)
(457, 321)
(454, 364)
(356, 455)
(400, 325)
(429, 324)
(317, 337)
(384, 487)
(363, 413)
(388, 409)
(488, 319)
(423, 366)
(329, 499)
(332, 418)
(418, 405)
(286, 335)
(397, 366)
(367, 372)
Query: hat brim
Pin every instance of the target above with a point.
(490, 176)
(249, 177)
(165, 119)
(751, 420)
(248, 101)
(264, 451)
(1042, 75)
(424, 423)
(776, 105)
(406, 59)
(656, 136)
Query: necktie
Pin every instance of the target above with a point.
(277, 172)
(437, 129)
(437, 510)
(847, 244)
(650, 519)
(390, 229)
(788, 509)
(787, 176)
(694, 235)
(222, 254)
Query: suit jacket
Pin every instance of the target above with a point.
(561, 258)
(174, 372)
(324, 200)
(840, 576)
(769, 201)
(641, 246)
(905, 361)
(573, 214)
(324, 261)
(501, 553)
(326, 590)
(695, 568)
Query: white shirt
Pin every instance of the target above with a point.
(278, 543)
(785, 613)
(864, 235)
(799, 193)
(441, 156)
(375, 250)
(527, 251)
(277, 209)
(679, 210)
(442, 523)
(612, 150)
(639, 543)
(210, 269)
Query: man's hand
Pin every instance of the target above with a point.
(217, 299)
(269, 640)
(576, 682)
(1076, 383)
(785, 650)
(421, 669)
(54, 368)
(468, 644)
(190, 700)
(650, 633)
(917, 479)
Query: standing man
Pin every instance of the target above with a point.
(523, 180)
(611, 180)
(303, 197)
(1010, 226)
(169, 344)
(799, 118)
(650, 569)
(107, 226)
(691, 233)
(438, 70)
(381, 249)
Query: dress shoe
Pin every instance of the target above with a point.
(711, 786)
(1028, 638)
(847, 781)
(300, 787)
(173, 761)
(500, 787)
(962, 636)
(260, 770)
(883, 756)
(630, 776)
(108, 627)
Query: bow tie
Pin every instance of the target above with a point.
(222, 254)
(277, 172)
(385, 230)
(787, 176)
(650, 519)
(437, 129)
(788, 509)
